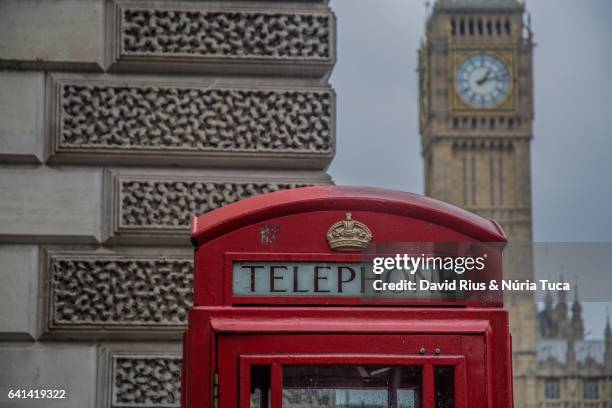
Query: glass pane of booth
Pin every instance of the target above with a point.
(444, 383)
(260, 386)
(352, 386)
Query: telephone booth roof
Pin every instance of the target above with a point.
(328, 198)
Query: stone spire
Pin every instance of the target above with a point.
(548, 301)
(577, 323)
(560, 315)
(608, 332)
(608, 343)
(547, 321)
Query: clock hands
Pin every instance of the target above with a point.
(484, 79)
(487, 77)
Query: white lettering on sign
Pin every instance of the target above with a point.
(298, 278)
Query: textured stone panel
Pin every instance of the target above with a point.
(18, 291)
(66, 34)
(155, 208)
(99, 291)
(194, 119)
(161, 204)
(21, 116)
(44, 204)
(243, 34)
(234, 36)
(61, 366)
(107, 118)
(145, 381)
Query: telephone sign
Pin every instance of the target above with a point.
(298, 278)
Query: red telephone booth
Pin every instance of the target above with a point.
(282, 319)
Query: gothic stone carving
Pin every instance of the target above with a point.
(145, 381)
(94, 291)
(232, 35)
(106, 119)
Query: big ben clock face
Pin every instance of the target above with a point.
(482, 81)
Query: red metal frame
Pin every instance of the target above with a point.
(479, 333)
(276, 361)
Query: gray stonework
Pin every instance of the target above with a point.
(228, 37)
(161, 374)
(153, 207)
(19, 292)
(190, 123)
(50, 204)
(145, 375)
(56, 366)
(58, 34)
(21, 120)
(119, 121)
(121, 293)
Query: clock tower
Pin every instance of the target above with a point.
(476, 115)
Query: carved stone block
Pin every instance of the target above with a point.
(146, 381)
(108, 121)
(96, 294)
(143, 375)
(257, 38)
(155, 208)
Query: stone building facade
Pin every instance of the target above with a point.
(120, 120)
(571, 370)
(476, 124)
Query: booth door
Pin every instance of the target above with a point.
(351, 371)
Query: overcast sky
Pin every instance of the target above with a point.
(378, 140)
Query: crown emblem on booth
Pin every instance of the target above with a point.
(349, 235)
